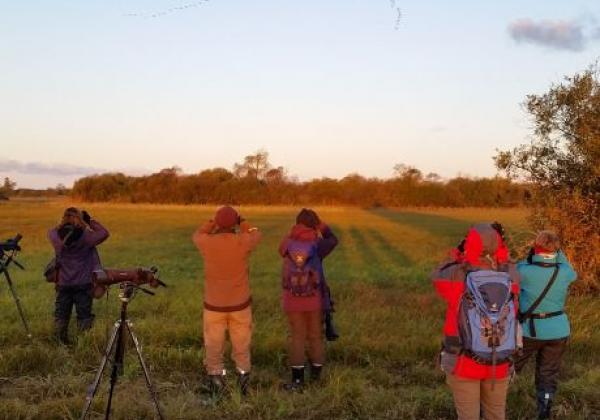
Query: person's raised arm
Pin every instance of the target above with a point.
(96, 234)
(566, 266)
(328, 240)
(201, 234)
(250, 235)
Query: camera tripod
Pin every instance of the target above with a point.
(116, 345)
(5, 261)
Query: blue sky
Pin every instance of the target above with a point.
(327, 88)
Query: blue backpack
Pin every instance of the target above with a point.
(487, 322)
(301, 269)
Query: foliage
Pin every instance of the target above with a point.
(256, 181)
(7, 189)
(563, 163)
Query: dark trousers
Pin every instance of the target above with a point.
(79, 296)
(548, 356)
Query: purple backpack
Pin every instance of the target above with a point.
(301, 268)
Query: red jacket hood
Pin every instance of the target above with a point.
(303, 233)
(483, 240)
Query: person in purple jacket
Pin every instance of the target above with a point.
(305, 295)
(74, 241)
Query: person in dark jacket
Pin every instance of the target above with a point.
(305, 313)
(476, 387)
(546, 330)
(74, 241)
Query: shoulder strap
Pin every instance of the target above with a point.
(524, 315)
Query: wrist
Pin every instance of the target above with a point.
(245, 226)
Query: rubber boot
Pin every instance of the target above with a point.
(297, 384)
(544, 404)
(330, 332)
(244, 382)
(217, 384)
(315, 373)
(61, 331)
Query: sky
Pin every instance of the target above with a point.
(328, 88)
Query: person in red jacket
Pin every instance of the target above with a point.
(475, 387)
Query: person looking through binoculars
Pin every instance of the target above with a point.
(74, 241)
(225, 244)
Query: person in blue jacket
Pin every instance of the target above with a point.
(545, 278)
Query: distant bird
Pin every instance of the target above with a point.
(398, 18)
(398, 14)
(165, 12)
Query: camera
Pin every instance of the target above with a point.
(104, 278)
(11, 244)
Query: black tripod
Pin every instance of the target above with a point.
(121, 329)
(5, 261)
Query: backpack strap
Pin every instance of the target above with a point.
(528, 314)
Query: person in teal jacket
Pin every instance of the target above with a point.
(545, 325)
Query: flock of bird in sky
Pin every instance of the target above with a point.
(187, 6)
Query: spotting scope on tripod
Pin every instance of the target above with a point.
(115, 348)
(8, 252)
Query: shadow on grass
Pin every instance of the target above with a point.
(443, 226)
(378, 257)
(390, 249)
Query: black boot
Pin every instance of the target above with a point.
(544, 404)
(330, 332)
(244, 382)
(61, 331)
(216, 384)
(297, 384)
(315, 372)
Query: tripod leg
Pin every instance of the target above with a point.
(17, 302)
(149, 384)
(118, 361)
(94, 387)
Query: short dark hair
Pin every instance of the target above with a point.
(308, 218)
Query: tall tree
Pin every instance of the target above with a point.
(562, 161)
(8, 188)
(254, 166)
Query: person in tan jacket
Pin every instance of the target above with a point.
(225, 244)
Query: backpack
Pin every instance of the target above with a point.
(487, 323)
(301, 268)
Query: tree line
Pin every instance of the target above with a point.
(256, 181)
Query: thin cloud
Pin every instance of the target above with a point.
(39, 168)
(559, 35)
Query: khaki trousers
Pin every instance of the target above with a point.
(305, 327)
(472, 396)
(239, 325)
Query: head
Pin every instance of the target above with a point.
(71, 226)
(72, 216)
(226, 218)
(546, 242)
(308, 218)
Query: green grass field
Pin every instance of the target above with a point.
(388, 315)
